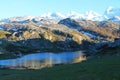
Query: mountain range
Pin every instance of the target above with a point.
(111, 13)
(91, 32)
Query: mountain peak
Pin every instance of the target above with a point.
(109, 9)
(55, 15)
(111, 12)
(91, 15)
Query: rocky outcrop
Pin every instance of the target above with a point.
(103, 47)
(70, 23)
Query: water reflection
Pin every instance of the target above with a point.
(40, 60)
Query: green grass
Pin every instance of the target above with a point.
(6, 56)
(103, 68)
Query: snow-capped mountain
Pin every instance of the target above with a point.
(53, 16)
(115, 19)
(91, 15)
(112, 14)
(12, 19)
(75, 15)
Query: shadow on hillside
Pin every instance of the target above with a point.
(45, 45)
(41, 45)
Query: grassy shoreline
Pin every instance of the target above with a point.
(101, 68)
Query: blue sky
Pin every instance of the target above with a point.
(11, 8)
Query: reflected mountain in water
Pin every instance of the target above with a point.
(40, 60)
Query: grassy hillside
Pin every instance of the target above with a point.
(102, 68)
(3, 34)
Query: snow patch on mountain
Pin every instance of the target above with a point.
(89, 34)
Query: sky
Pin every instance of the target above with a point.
(11, 8)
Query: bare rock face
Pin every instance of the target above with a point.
(70, 23)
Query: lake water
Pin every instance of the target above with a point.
(40, 60)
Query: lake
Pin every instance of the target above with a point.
(41, 60)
